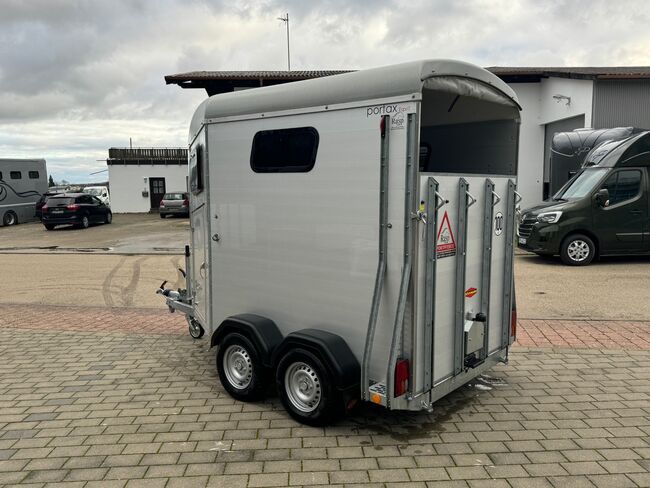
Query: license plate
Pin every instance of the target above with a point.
(57, 211)
(522, 240)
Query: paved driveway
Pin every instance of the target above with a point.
(113, 408)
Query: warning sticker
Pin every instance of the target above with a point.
(470, 292)
(445, 243)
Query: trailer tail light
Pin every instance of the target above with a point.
(382, 125)
(74, 207)
(401, 377)
(513, 324)
(186, 202)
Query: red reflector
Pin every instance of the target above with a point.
(513, 324)
(73, 207)
(401, 377)
(382, 126)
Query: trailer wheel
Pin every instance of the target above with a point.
(577, 250)
(10, 218)
(240, 369)
(49, 226)
(306, 389)
(196, 331)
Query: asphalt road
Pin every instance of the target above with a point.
(121, 265)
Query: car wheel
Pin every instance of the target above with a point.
(196, 331)
(306, 389)
(162, 216)
(85, 223)
(577, 250)
(240, 369)
(49, 226)
(10, 218)
(109, 217)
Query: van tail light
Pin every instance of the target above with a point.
(513, 324)
(44, 208)
(74, 207)
(401, 377)
(186, 202)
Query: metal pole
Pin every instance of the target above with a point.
(286, 20)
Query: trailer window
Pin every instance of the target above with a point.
(15, 175)
(33, 175)
(284, 150)
(196, 170)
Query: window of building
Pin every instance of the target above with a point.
(33, 175)
(284, 150)
(15, 175)
(623, 185)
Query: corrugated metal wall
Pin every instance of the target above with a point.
(621, 103)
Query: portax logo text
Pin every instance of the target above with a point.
(384, 110)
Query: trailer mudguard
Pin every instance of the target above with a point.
(261, 331)
(331, 348)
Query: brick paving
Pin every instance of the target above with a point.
(603, 334)
(112, 409)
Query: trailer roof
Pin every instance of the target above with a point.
(389, 81)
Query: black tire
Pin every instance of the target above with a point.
(319, 403)
(49, 226)
(85, 223)
(10, 218)
(162, 215)
(577, 250)
(251, 386)
(109, 218)
(196, 331)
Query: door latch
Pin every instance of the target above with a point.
(216, 238)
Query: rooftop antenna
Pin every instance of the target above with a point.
(285, 19)
(130, 143)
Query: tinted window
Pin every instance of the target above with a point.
(623, 185)
(33, 175)
(174, 196)
(284, 150)
(15, 175)
(51, 202)
(196, 169)
(0, 175)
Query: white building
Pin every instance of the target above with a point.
(552, 99)
(139, 177)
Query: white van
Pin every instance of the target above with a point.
(352, 236)
(100, 192)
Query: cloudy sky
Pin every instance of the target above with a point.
(80, 76)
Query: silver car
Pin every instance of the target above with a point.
(175, 203)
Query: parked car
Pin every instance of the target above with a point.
(100, 192)
(41, 202)
(78, 209)
(603, 210)
(175, 203)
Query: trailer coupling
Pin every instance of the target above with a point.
(176, 299)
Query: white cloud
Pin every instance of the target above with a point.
(79, 76)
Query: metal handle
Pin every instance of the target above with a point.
(495, 198)
(518, 197)
(473, 200)
(440, 201)
(216, 238)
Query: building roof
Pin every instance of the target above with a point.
(146, 155)
(592, 73)
(225, 81)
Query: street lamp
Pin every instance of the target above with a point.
(285, 19)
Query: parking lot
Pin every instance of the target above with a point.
(101, 387)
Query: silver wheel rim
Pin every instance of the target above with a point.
(578, 250)
(109, 218)
(238, 367)
(195, 329)
(84, 221)
(303, 387)
(11, 219)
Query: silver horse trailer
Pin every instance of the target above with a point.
(352, 236)
(22, 182)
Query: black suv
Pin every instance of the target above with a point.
(78, 209)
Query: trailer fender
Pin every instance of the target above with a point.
(331, 349)
(261, 331)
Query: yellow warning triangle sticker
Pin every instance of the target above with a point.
(445, 243)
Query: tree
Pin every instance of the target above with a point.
(51, 181)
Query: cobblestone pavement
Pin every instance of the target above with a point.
(604, 334)
(114, 409)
